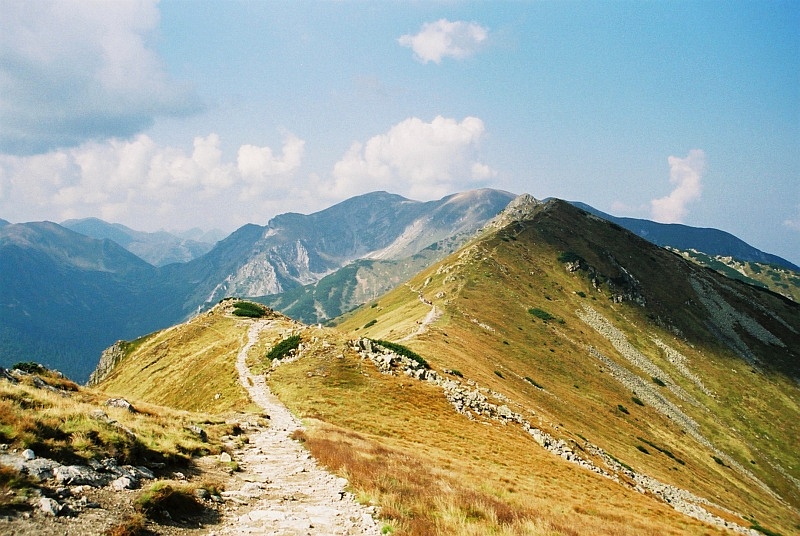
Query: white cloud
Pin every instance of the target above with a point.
(77, 71)
(147, 186)
(440, 39)
(793, 223)
(416, 159)
(686, 174)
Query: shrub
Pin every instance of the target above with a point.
(455, 372)
(659, 381)
(533, 382)
(30, 367)
(718, 460)
(370, 323)
(499, 374)
(637, 401)
(399, 349)
(623, 409)
(569, 256)
(642, 449)
(581, 293)
(283, 348)
(163, 497)
(248, 309)
(541, 314)
(133, 525)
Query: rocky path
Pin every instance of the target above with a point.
(282, 491)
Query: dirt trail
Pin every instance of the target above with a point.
(282, 491)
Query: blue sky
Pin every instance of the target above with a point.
(214, 114)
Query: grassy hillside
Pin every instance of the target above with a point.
(776, 278)
(190, 366)
(651, 370)
(561, 345)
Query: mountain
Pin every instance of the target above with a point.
(556, 375)
(156, 248)
(3, 223)
(780, 279)
(709, 241)
(295, 249)
(64, 297)
(612, 345)
(67, 296)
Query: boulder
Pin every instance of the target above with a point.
(49, 506)
(120, 403)
(80, 475)
(123, 483)
(41, 468)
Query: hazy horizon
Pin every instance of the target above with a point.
(177, 115)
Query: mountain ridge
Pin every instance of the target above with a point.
(562, 366)
(684, 237)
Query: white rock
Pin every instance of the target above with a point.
(225, 457)
(49, 506)
(28, 454)
(123, 483)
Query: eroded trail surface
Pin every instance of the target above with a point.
(281, 490)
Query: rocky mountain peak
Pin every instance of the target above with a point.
(520, 208)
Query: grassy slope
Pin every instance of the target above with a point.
(434, 471)
(60, 424)
(776, 278)
(187, 366)
(753, 416)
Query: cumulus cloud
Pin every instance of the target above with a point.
(440, 39)
(148, 186)
(416, 159)
(686, 174)
(71, 72)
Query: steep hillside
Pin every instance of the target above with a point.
(780, 279)
(398, 440)
(647, 365)
(158, 249)
(356, 283)
(64, 297)
(683, 237)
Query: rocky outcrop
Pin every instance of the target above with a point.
(109, 359)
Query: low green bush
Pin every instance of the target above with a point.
(282, 349)
(533, 382)
(541, 314)
(399, 349)
(248, 309)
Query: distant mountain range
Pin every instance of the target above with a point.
(67, 295)
(683, 237)
(158, 249)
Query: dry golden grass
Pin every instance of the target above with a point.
(432, 471)
(63, 426)
(485, 296)
(190, 366)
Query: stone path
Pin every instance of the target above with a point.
(283, 491)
